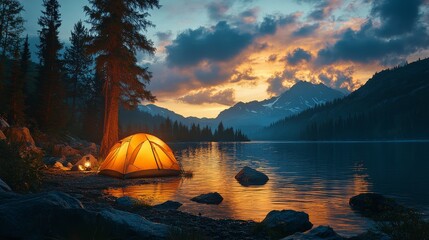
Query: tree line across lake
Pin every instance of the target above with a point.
(178, 132)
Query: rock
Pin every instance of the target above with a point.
(20, 135)
(59, 165)
(208, 198)
(249, 176)
(4, 187)
(2, 136)
(64, 150)
(50, 161)
(27, 216)
(373, 204)
(56, 215)
(142, 228)
(319, 233)
(370, 235)
(168, 205)
(91, 148)
(77, 167)
(127, 201)
(287, 222)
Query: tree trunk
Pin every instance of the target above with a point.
(111, 121)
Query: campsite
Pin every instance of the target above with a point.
(214, 119)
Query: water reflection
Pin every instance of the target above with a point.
(317, 178)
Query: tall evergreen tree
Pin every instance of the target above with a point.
(51, 112)
(16, 91)
(11, 27)
(117, 26)
(78, 65)
(25, 65)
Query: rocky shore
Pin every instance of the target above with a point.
(74, 205)
(71, 202)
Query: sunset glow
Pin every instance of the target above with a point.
(213, 54)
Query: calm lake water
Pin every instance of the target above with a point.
(318, 178)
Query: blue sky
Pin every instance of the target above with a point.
(212, 54)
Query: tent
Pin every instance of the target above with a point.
(87, 162)
(140, 155)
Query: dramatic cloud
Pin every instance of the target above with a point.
(399, 33)
(322, 8)
(297, 56)
(247, 75)
(306, 30)
(396, 16)
(213, 74)
(277, 83)
(220, 43)
(272, 58)
(339, 79)
(224, 97)
(364, 46)
(271, 22)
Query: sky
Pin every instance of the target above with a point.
(212, 54)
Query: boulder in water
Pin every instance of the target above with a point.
(249, 176)
(373, 204)
(287, 222)
(208, 198)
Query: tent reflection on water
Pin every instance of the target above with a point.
(158, 192)
(140, 155)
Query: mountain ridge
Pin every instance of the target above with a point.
(258, 114)
(393, 104)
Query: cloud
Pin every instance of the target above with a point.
(394, 30)
(364, 46)
(211, 95)
(306, 30)
(270, 23)
(322, 8)
(217, 9)
(396, 16)
(277, 83)
(219, 43)
(246, 75)
(272, 58)
(164, 36)
(211, 75)
(297, 56)
(336, 78)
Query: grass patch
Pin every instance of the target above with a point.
(21, 173)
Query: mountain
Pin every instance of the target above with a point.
(393, 104)
(257, 114)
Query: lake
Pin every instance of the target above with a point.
(315, 177)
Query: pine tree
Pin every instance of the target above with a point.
(16, 91)
(78, 65)
(51, 107)
(25, 68)
(117, 26)
(11, 27)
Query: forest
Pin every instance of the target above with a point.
(71, 90)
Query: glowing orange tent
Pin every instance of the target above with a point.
(140, 155)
